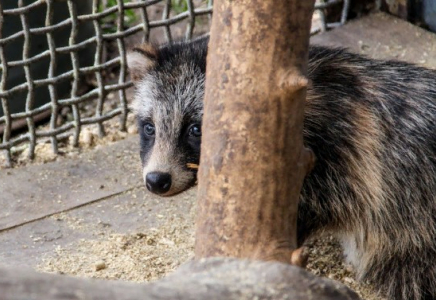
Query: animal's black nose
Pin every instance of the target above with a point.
(158, 182)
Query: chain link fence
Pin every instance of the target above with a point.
(51, 49)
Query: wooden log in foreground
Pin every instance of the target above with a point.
(253, 161)
(213, 278)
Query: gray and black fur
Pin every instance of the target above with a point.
(372, 127)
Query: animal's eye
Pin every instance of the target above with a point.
(149, 129)
(195, 130)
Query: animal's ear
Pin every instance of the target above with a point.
(141, 59)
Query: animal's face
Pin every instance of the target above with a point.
(169, 108)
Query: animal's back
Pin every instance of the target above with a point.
(372, 127)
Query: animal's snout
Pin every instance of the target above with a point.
(158, 182)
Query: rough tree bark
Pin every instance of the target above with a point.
(253, 161)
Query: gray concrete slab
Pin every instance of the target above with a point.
(383, 37)
(133, 211)
(34, 192)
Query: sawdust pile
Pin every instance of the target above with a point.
(151, 255)
(133, 257)
(326, 260)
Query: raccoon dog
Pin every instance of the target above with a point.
(372, 127)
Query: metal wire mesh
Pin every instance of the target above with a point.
(29, 92)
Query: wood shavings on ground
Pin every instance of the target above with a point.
(136, 257)
(154, 253)
(326, 260)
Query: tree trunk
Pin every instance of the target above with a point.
(253, 161)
